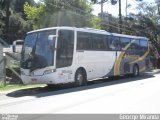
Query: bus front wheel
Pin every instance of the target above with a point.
(135, 70)
(80, 78)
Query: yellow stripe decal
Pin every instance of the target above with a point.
(117, 64)
(141, 58)
(118, 61)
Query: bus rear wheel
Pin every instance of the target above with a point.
(135, 70)
(80, 78)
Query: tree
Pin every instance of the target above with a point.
(2, 16)
(158, 5)
(34, 14)
(148, 23)
(77, 5)
(61, 13)
(113, 2)
(12, 21)
(17, 27)
(18, 6)
(2, 4)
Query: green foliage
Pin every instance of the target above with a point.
(95, 22)
(61, 13)
(148, 24)
(1, 85)
(56, 5)
(2, 24)
(113, 2)
(2, 4)
(147, 9)
(34, 14)
(18, 26)
(18, 5)
(2, 16)
(21, 86)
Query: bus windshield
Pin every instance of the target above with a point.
(38, 51)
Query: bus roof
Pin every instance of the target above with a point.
(129, 36)
(86, 29)
(51, 28)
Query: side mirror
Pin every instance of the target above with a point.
(14, 46)
(17, 46)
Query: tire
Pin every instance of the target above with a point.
(135, 70)
(80, 78)
(51, 86)
(111, 77)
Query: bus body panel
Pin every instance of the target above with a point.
(136, 58)
(61, 75)
(96, 63)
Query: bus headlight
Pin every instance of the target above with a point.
(49, 71)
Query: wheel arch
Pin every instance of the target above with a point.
(83, 70)
(135, 64)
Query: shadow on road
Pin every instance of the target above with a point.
(46, 91)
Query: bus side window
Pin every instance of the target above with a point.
(135, 45)
(106, 42)
(98, 42)
(124, 43)
(80, 45)
(83, 41)
(143, 44)
(110, 46)
(115, 43)
(65, 46)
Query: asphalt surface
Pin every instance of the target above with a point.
(123, 95)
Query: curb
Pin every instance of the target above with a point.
(155, 71)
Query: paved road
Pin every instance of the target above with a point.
(126, 95)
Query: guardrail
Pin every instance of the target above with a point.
(11, 57)
(8, 61)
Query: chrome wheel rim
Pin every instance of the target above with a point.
(135, 71)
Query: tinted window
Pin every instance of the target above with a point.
(29, 45)
(124, 42)
(30, 40)
(115, 43)
(65, 46)
(134, 44)
(107, 38)
(42, 50)
(83, 41)
(98, 42)
(144, 44)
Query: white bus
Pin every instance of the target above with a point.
(60, 55)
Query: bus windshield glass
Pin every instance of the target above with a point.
(38, 51)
